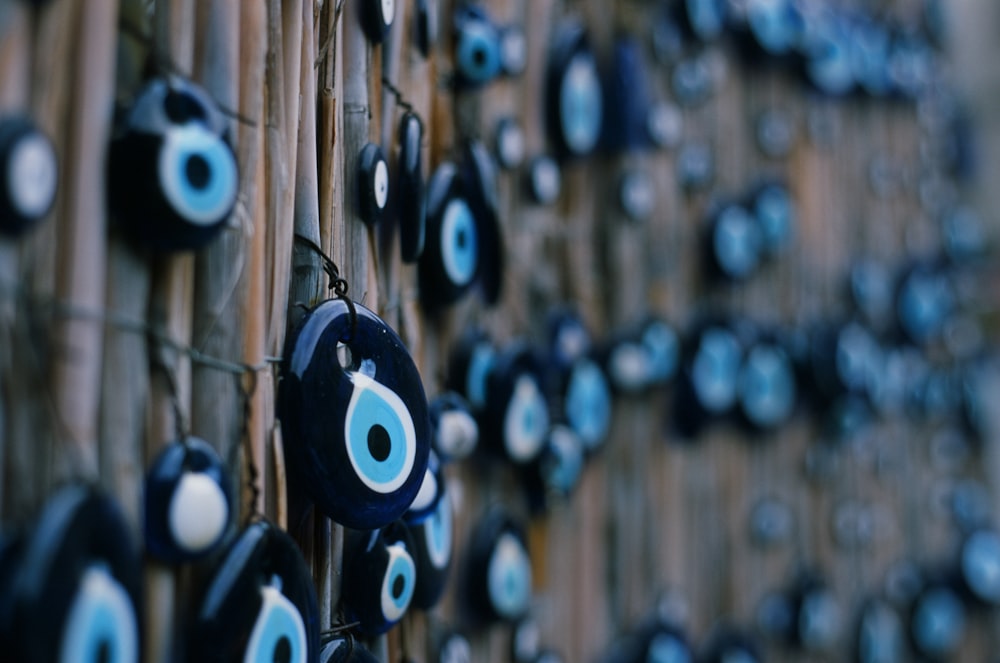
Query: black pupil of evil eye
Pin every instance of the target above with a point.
(198, 171)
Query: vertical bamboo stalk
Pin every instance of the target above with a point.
(83, 252)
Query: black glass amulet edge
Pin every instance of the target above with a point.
(354, 414)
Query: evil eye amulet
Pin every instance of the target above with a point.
(881, 635)
(663, 644)
(187, 504)
(734, 243)
(76, 594)
(376, 18)
(574, 103)
(373, 184)
(173, 178)
(499, 568)
(379, 577)
(410, 190)
(587, 403)
(470, 363)
(516, 419)
(432, 552)
(260, 604)
(937, 621)
(450, 263)
(29, 175)
(478, 54)
(454, 430)
(353, 410)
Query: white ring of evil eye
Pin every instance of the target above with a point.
(525, 421)
(459, 242)
(380, 184)
(981, 565)
(508, 577)
(198, 512)
(101, 610)
(32, 175)
(580, 104)
(374, 403)
(394, 600)
(438, 532)
(428, 490)
(388, 8)
(666, 648)
(277, 620)
(200, 205)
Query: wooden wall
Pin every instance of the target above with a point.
(88, 392)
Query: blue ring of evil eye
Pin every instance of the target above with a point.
(937, 622)
(525, 419)
(477, 52)
(101, 621)
(509, 577)
(588, 403)
(580, 104)
(398, 584)
(767, 386)
(278, 634)
(198, 174)
(357, 436)
(459, 242)
(666, 647)
(438, 533)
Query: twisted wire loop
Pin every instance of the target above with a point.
(337, 283)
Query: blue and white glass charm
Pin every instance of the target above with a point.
(454, 430)
(429, 522)
(380, 577)
(411, 194)
(187, 503)
(173, 177)
(498, 581)
(260, 604)
(29, 175)
(76, 593)
(478, 52)
(516, 414)
(376, 18)
(373, 184)
(354, 415)
(574, 96)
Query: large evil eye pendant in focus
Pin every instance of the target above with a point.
(173, 177)
(29, 175)
(260, 604)
(454, 430)
(354, 414)
(376, 18)
(76, 593)
(380, 576)
(188, 506)
(516, 415)
(574, 98)
(411, 198)
(373, 184)
(478, 53)
(498, 583)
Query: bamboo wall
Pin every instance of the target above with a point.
(109, 350)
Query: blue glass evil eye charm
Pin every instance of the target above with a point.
(373, 184)
(660, 643)
(470, 363)
(187, 502)
(345, 650)
(704, 20)
(454, 430)
(478, 54)
(173, 177)
(411, 199)
(354, 415)
(766, 385)
(574, 98)
(376, 18)
(979, 567)
(937, 621)
(734, 242)
(516, 420)
(498, 581)
(29, 175)
(709, 381)
(728, 645)
(881, 635)
(76, 594)
(379, 577)
(429, 522)
(260, 604)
